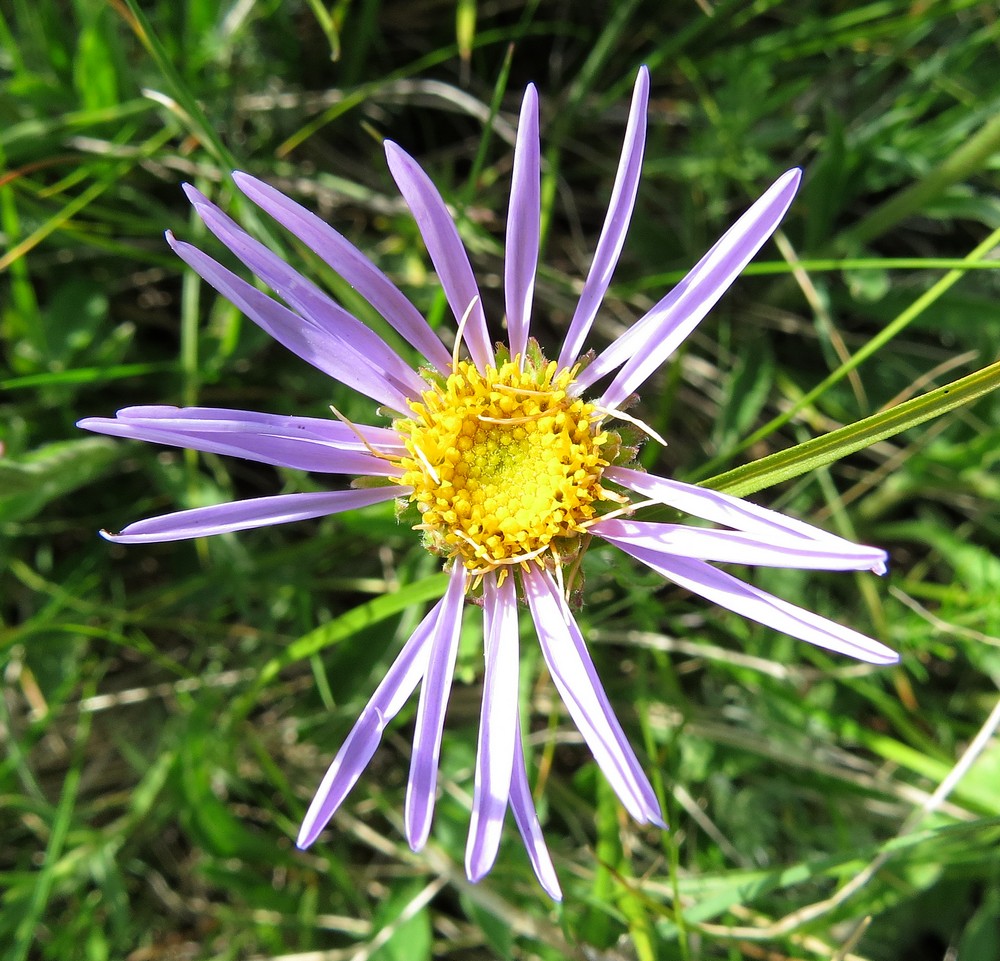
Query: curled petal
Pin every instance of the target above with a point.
(576, 679)
(248, 514)
(612, 239)
(446, 250)
(298, 442)
(344, 258)
(523, 226)
(734, 547)
(645, 345)
(434, 694)
(359, 747)
(735, 512)
(315, 345)
(526, 819)
(734, 595)
(497, 728)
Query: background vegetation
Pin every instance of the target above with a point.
(168, 710)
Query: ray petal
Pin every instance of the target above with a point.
(249, 514)
(344, 258)
(446, 250)
(313, 344)
(576, 679)
(734, 512)
(735, 547)
(645, 345)
(741, 598)
(619, 215)
(523, 226)
(497, 728)
(434, 694)
(359, 747)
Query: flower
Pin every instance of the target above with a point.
(504, 466)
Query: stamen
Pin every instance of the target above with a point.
(634, 421)
(508, 561)
(427, 464)
(522, 391)
(517, 464)
(559, 571)
(461, 331)
(512, 420)
(361, 437)
(629, 508)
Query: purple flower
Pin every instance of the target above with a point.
(505, 468)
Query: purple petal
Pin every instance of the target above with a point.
(612, 239)
(383, 439)
(434, 694)
(295, 442)
(576, 679)
(652, 339)
(734, 547)
(523, 226)
(445, 248)
(357, 750)
(734, 595)
(526, 819)
(313, 344)
(248, 514)
(497, 728)
(352, 265)
(306, 299)
(736, 513)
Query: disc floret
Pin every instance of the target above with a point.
(504, 464)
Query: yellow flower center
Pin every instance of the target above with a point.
(503, 464)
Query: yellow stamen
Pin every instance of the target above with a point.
(503, 463)
(634, 421)
(461, 330)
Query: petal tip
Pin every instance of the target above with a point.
(194, 195)
(307, 835)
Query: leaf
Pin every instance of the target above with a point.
(831, 447)
(29, 483)
(411, 937)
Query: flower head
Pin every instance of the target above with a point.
(506, 467)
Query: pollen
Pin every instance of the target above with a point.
(505, 466)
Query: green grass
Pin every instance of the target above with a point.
(167, 710)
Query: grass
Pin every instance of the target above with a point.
(167, 710)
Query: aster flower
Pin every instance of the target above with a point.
(501, 463)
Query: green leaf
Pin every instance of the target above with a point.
(29, 483)
(411, 936)
(831, 447)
